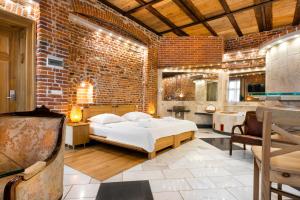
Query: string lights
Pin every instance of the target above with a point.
(281, 40)
(247, 61)
(26, 7)
(100, 30)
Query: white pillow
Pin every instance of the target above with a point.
(135, 116)
(106, 118)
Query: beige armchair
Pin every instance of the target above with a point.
(33, 143)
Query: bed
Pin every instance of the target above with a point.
(148, 136)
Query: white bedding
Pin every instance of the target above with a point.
(142, 133)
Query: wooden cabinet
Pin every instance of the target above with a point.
(77, 133)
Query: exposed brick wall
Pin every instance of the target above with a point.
(194, 50)
(173, 86)
(254, 40)
(118, 73)
(115, 69)
(53, 39)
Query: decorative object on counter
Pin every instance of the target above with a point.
(252, 133)
(76, 114)
(210, 108)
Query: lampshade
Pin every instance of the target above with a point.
(76, 114)
(151, 109)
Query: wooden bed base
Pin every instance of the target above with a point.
(161, 143)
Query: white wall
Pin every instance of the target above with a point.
(283, 67)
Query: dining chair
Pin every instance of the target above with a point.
(277, 162)
(251, 134)
(31, 155)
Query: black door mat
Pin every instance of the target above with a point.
(131, 190)
(221, 143)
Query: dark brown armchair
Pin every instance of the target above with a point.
(31, 155)
(252, 133)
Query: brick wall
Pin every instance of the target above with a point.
(254, 40)
(195, 50)
(118, 73)
(115, 69)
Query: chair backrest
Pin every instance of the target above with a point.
(277, 119)
(28, 137)
(252, 126)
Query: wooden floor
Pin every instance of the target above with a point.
(102, 161)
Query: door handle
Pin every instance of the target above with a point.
(12, 95)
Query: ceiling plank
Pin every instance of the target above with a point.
(231, 17)
(222, 15)
(296, 20)
(189, 8)
(165, 20)
(105, 2)
(142, 6)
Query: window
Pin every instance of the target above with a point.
(85, 93)
(234, 90)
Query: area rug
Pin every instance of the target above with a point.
(221, 143)
(131, 190)
(102, 161)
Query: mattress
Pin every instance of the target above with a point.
(142, 133)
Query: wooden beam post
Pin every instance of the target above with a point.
(189, 8)
(222, 15)
(296, 20)
(165, 20)
(231, 17)
(105, 2)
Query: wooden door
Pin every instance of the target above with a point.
(4, 70)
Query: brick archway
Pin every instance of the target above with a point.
(94, 10)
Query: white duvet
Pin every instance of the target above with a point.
(142, 133)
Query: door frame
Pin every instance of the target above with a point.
(30, 71)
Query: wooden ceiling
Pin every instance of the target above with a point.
(227, 18)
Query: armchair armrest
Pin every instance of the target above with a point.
(33, 170)
(240, 128)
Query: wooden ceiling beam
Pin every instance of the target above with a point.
(165, 20)
(222, 15)
(105, 2)
(296, 20)
(142, 6)
(268, 17)
(189, 8)
(259, 16)
(231, 18)
(263, 15)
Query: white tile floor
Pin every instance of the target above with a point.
(195, 170)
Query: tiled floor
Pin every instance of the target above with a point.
(195, 170)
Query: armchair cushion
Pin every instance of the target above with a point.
(33, 170)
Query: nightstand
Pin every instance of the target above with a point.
(77, 133)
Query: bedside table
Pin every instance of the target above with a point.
(77, 133)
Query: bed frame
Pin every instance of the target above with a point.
(161, 143)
